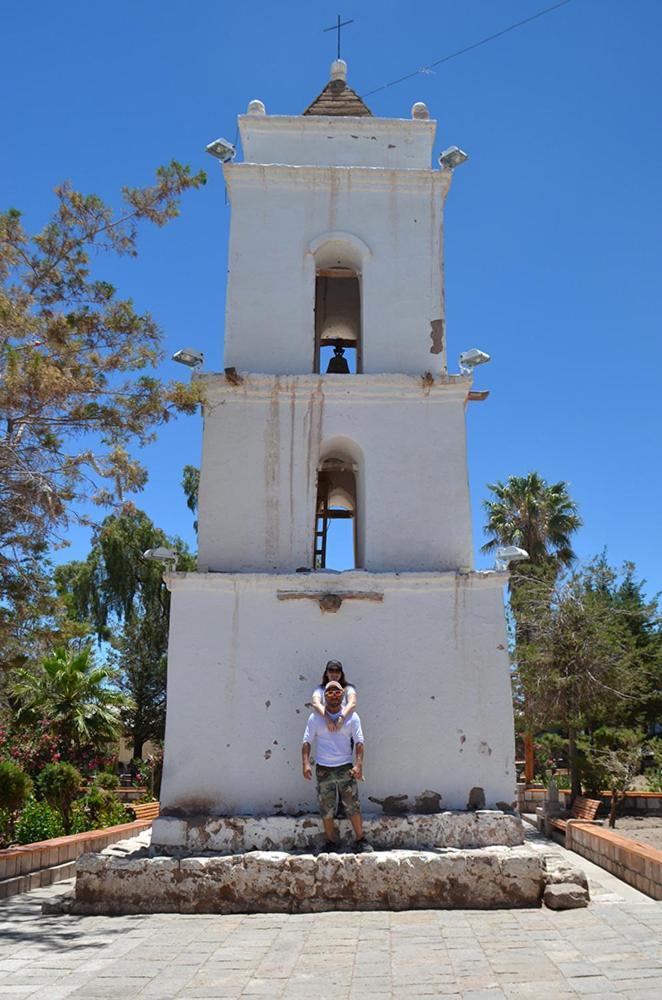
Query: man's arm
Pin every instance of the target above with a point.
(357, 770)
(357, 736)
(305, 761)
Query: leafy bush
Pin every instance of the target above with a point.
(98, 809)
(60, 785)
(653, 764)
(38, 821)
(107, 780)
(654, 779)
(551, 752)
(141, 772)
(4, 827)
(32, 747)
(35, 745)
(15, 788)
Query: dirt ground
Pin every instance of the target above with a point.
(645, 829)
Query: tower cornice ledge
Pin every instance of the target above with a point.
(244, 386)
(346, 123)
(351, 582)
(375, 178)
(338, 139)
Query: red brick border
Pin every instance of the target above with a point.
(637, 864)
(33, 865)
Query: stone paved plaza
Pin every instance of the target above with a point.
(613, 948)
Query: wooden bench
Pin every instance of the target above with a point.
(145, 810)
(583, 810)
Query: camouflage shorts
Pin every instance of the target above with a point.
(333, 784)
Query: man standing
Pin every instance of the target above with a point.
(336, 774)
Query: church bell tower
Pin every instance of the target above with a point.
(335, 404)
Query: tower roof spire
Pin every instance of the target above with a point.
(338, 98)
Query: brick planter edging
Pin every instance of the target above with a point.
(31, 866)
(637, 864)
(641, 803)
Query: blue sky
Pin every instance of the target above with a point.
(552, 227)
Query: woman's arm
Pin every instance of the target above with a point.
(348, 708)
(317, 702)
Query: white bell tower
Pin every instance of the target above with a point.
(335, 403)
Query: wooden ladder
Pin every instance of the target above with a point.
(319, 561)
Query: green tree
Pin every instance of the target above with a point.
(642, 619)
(191, 487)
(142, 658)
(528, 512)
(76, 697)
(614, 758)
(123, 596)
(540, 518)
(75, 384)
(580, 666)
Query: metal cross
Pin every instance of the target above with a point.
(337, 27)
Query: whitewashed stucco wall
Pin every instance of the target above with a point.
(261, 450)
(326, 140)
(429, 661)
(280, 213)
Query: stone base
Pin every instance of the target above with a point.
(238, 834)
(277, 882)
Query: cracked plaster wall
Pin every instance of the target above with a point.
(279, 211)
(429, 662)
(261, 450)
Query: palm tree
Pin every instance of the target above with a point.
(540, 518)
(75, 696)
(533, 515)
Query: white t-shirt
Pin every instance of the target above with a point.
(348, 690)
(332, 749)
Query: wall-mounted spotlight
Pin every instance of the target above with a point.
(222, 149)
(470, 359)
(189, 356)
(452, 157)
(161, 554)
(508, 554)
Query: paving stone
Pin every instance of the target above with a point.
(488, 994)
(541, 989)
(591, 984)
(628, 982)
(116, 988)
(16, 991)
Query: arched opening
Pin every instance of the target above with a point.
(339, 261)
(337, 320)
(336, 528)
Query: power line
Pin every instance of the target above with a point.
(468, 48)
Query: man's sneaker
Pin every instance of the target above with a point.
(330, 847)
(363, 847)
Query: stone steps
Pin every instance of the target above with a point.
(279, 882)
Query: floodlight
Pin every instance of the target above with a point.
(507, 554)
(222, 149)
(161, 554)
(470, 359)
(189, 356)
(452, 157)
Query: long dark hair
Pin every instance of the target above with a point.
(335, 664)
